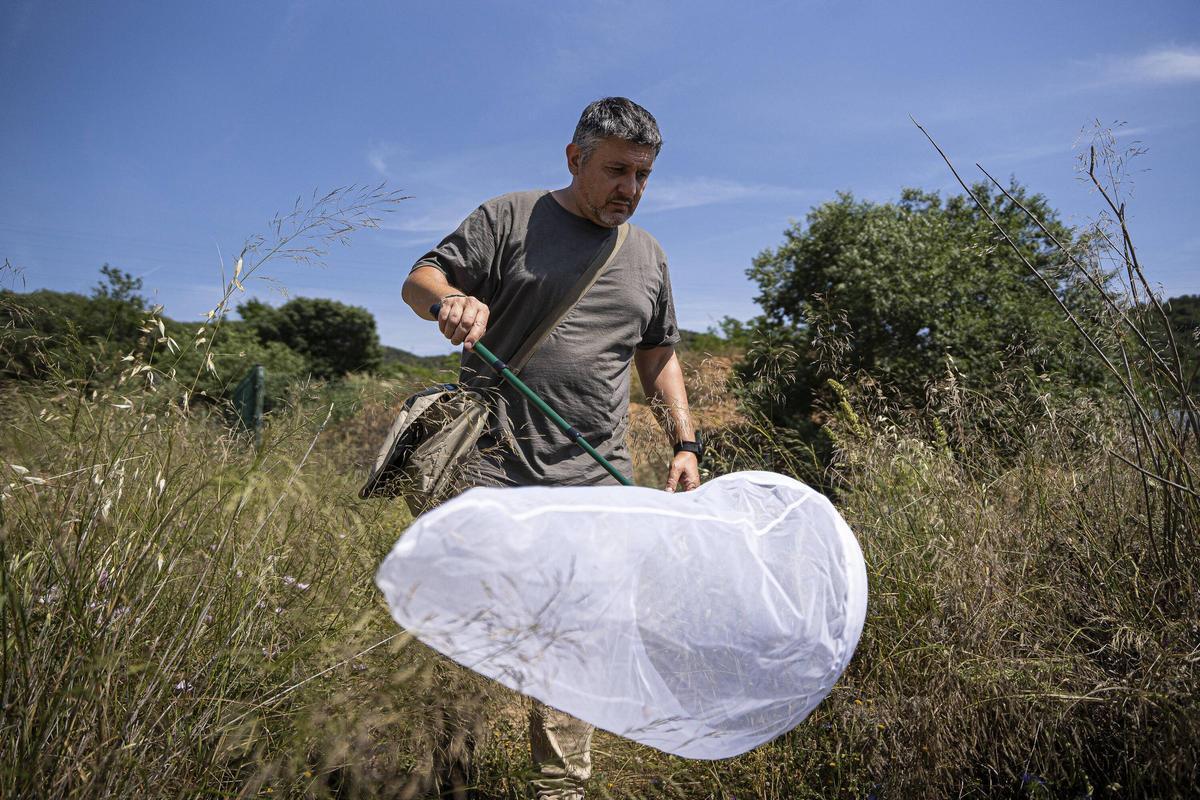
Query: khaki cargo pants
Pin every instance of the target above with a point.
(561, 747)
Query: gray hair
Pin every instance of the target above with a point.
(616, 117)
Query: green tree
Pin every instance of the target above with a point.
(893, 289)
(117, 308)
(333, 337)
(74, 332)
(119, 286)
(730, 335)
(112, 315)
(260, 318)
(1183, 313)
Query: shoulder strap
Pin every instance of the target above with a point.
(604, 256)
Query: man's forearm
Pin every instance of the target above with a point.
(424, 287)
(662, 380)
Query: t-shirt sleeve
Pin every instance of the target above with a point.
(661, 330)
(467, 257)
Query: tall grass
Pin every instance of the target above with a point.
(148, 591)
(171, 595)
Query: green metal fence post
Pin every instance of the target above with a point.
(248, 401)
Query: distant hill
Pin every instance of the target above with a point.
(708, 342)
(394, 357)
(691, 341)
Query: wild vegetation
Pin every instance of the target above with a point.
(184, 614)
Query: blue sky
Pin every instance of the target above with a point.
(153, 135)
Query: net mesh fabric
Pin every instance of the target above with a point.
(702, 623)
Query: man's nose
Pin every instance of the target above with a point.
(629, 186)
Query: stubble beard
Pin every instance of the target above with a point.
(607, 218)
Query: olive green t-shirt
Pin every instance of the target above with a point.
(520, 254)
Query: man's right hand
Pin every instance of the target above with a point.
(462, 320)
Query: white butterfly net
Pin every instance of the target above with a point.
(702, 623)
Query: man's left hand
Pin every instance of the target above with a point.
(685, 472)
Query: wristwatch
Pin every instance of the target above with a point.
(696, 447)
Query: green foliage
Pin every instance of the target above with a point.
(335, 338)
(1020, 630)
(119, 286)
(235, 348)
(167, 590)
(115, 311)
(895, 289)
(260, 318)
(1183, 314)
(400, 364)
(71, 336)
(71, 332)
(76, 336)
(729, 336)
(183, 616)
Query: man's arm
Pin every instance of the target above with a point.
(462, 319)
(662, 379)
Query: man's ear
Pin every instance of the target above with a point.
(574, 158)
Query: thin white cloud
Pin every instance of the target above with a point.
(663, 194)
(439, 220)
(419, 170)
(1163, 65)
(669, 194)
(378, 156)
(444, 188)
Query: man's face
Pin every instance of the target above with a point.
(608, 184)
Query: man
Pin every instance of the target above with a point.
(499, 274)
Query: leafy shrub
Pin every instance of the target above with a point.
(334, 338)
(896, 289)
(69, 333)
(234, 350)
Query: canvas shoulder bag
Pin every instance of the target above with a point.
(436, 430)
